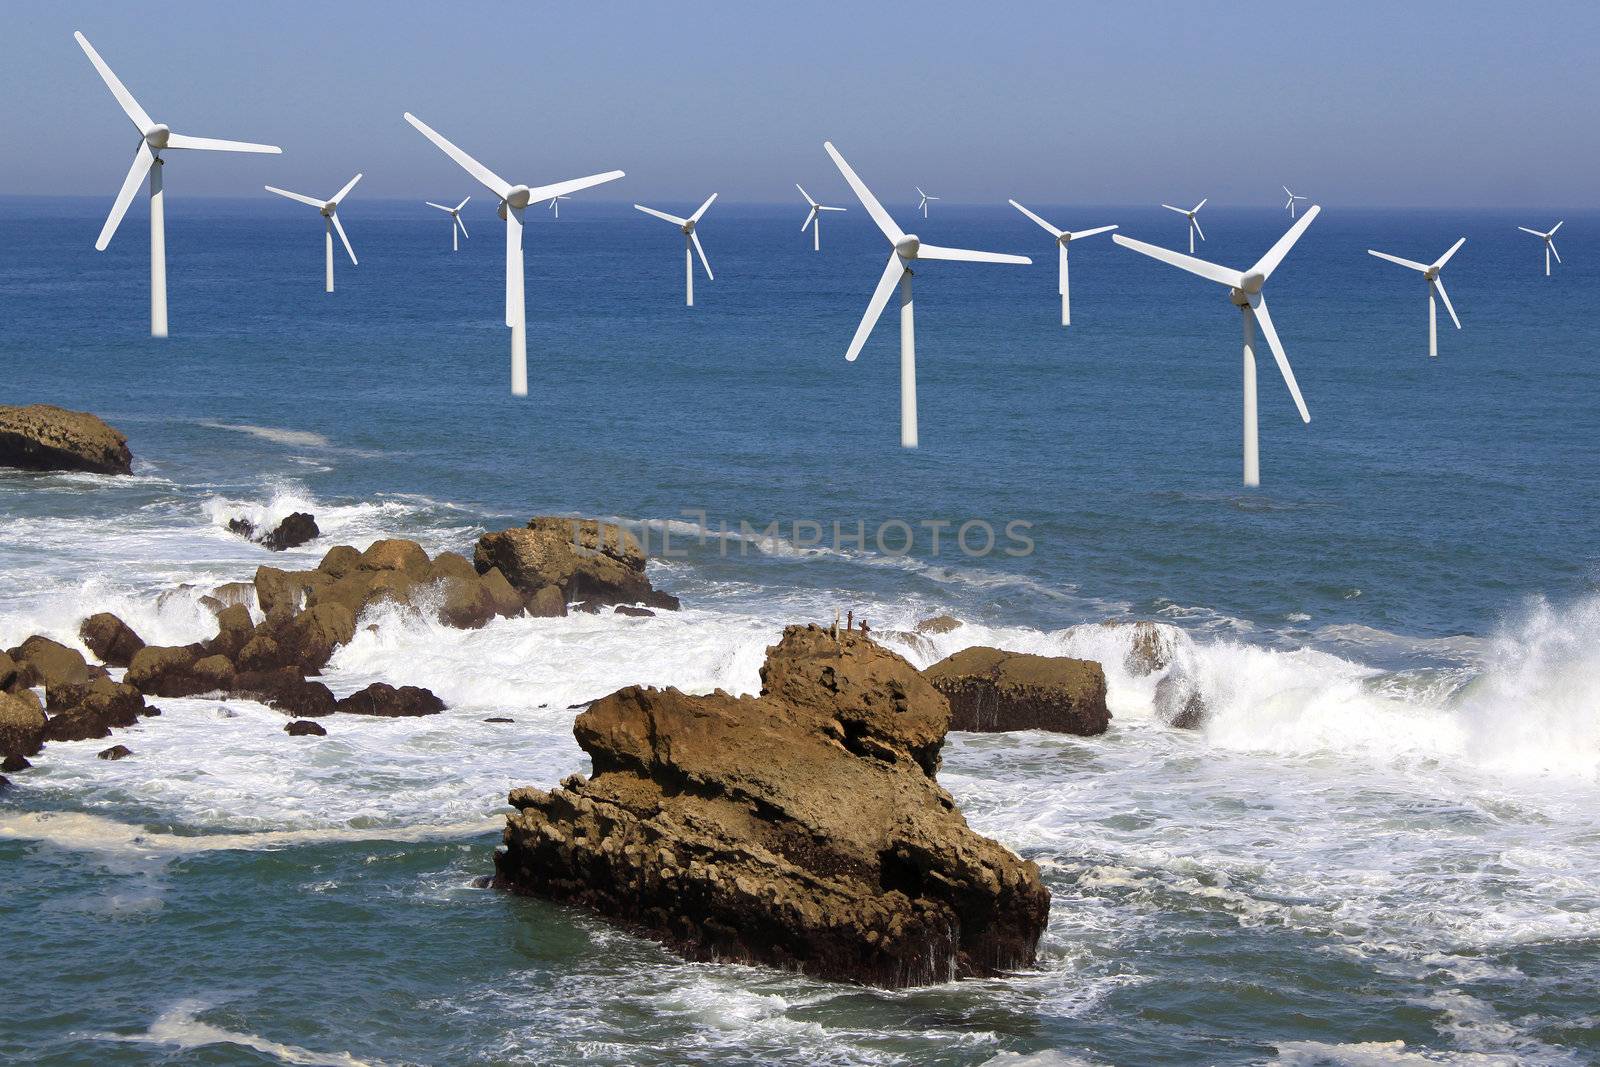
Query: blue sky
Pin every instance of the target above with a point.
(1383, 104)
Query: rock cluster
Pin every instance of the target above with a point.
(43, 437)
(992, 690)
(803, 828)
(297, 529)
(554, 561)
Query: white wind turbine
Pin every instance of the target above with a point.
(1194, 223)
(907, 249)
(814, 219)
(330, 217)
(1549, 243)
(1063, 238)
(1244, 290)
(1292, 198)
(925, 198)
(691, 244)
(555, 204)
(1430, 271)
(155, 138)
(458, 229)
(513, 200)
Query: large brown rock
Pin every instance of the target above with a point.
(165, 671)
(22, 725)
(43, 437)
(802, 828)
(390, 702)
(592, 563)
(10, 674)
(92, 709)
(111, 640)
(280, 592)
(41, 661)
(285, 690)
(992, 690)
(308, 640)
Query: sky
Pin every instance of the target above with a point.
(1419, 104)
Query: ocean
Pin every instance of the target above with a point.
(1383, 847)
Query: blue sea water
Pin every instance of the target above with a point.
(1386, 832)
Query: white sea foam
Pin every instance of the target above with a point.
(179, 1027)
(275, 434)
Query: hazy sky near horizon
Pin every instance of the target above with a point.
(1462, 104)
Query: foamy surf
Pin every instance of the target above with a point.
(179, 1027)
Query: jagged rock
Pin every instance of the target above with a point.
(1179, 702)
(285, 690)
(992, 690)
(938, 624)
(340, 560)
(309, 639)
(43, 437)
(231, 593)
(260, 653)
(235, 629)
(592, 563)
(304, 728)
(22, 724)
(1151, 648)
(294, 531)
(111, 640)
(166, 671)
(242, 527)
(387, 701)
(213, 673)
(505, 600)
(281, 592)
(546, 602)
(41, 661)
(396, 555)
(14, 763)
(83, 711)
(115, 752)
(802, 828)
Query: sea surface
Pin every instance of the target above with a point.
(1383, 847)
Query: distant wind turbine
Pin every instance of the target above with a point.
(1292, 198)
(925, 198)
(555, 204)
(330, 216)
(1430, 271)
(1549, 243)
(907, 249)
(514, 199)
(1244, 290)
(814, 219)
(458, 229)
(691, 244)
(155, 138)
(1194, 223)
(1063, 238)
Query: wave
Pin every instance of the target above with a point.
(179, 1027)
(298, 438)
(82, 832)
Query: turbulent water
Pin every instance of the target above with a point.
(1383, 847)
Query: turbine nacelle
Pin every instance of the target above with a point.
(1253, 282)
(907, 246)
(518, 196)
(157, 136)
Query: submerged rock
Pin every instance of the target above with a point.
(14, 763)
(111, 640)
(115, 752)
(1179, 702)
(802, 828)
(295, 530)
(304, 728)
(938, 624)
(389, 702)
(595, 564)
(992, 690)
(43, 437)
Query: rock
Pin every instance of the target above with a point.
(285, 690)
(802, 828)
(81, 712)
(593, 563)
(465, 603)
(450, 565)
(215, 673)
(111, 640)
(10, 674)
(1151, 648)
(396, 555)
(938, 624)
(505, 600)
(43, 437)
(41, 661)
(5, 783)
(308, 639)
(633, 612)
(1179, 702)
(992, 690)
(243, 528)
(384, 700)
(115, 752)
(294, 531)
(165, 671)
(546, 602)
(22, 726)
(14, 763)
(339, 561)
(492, 718)
(281, 592)
(231, 593)
(260, 653)
(235, 629)
(304, 728)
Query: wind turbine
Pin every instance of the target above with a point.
(1549, 243)
(925, 199)
(513, 200)
(905, 250)
(691, 244)
(1244, 290)
(330, 216)
(458, 229)
(1292, 198)
(1063, 238)
(1431, 271)
(814, 219)
(1194, 223)
(155, 138)
(555, 204)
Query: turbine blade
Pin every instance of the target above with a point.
(430, 203)
(1201, 204)
(824, 207)
(1193, 221)
(1258, 308)
(879, 215)
(574, 185)
(809, 216)
(342, 193)
(704, 262)
(1048, 228)
(805, 194)
(1286, 190)
(1269, 262)
(1442, 260)
(462, 225)
(1179, 210)
(334, 218)
(213, 144)
(966, 255)
(1556, 227)
(701, 210)
(462, 204)
(1079, 234)
(1553, 250)
(491, 181)
(130, 106)
(675, 220)
(1423, 267)
(143, 158)
(294, 196)
(1536, 233)
(1438, 283)
(880, 297)
(1211, 271)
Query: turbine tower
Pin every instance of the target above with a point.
(925, 198)
(1292, 198)
(458, 229)
(691, 244)
(1244, 290)
(814, 219)
(1063, 238)
(154, 138)
(330, 216)
(1430, 271)
(906, 249)
(514, 199)
(1194, 223)
(1548, 237)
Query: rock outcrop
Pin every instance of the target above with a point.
(22, 725)
(991, 690)
(304, 728)
(297, 529)
(580, 561)
(115, 752)
(81, 712)
(111, 640)
(43, 437)
(389, 702)
(802, 828)
(41, 661)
